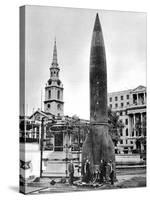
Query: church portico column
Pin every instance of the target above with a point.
(35, 133)
(134, 124)
(141, 124)
(39, 134)
(137, 98)
(44, 132)
(144, 98)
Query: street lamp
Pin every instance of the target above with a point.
(66, 147)
(41, 142)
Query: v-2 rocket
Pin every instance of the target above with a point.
(98, 144)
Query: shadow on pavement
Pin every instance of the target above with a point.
(14, 188)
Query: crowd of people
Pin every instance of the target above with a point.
(104, 173)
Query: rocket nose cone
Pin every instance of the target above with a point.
(97, 26)
(97, 37)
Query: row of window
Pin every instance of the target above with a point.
(58, 106)
(54, 73)
(123, 113)
(116, 105)
(126, 121)
(58, 94)
(121, 98)
(137, 133)
(126, 142)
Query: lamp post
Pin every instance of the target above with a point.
(41, 145)
(79, 148)
(66, 147)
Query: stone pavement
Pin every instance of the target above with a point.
(44, 185)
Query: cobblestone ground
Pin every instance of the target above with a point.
(124, 180)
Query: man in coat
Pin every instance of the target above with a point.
(87, 171)
(112, 169)
(71, 172)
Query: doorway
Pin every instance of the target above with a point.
(58, 142)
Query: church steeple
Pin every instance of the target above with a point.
(54, 61)
(54, 69)
(54, 88)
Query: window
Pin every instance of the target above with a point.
(121, 105)
(116, 105)
(127, 103)
(127, 96)
(124, 113)
(136, 133)
(110, 105)
(48, 105)
(116, 98)
(126, 132)
(120, 113)
(110, 99)
(58, 82)
(50, 81)
(131, 142)
(120, 132)
(126, 121)
(49, 94)
(121, 97)
(59, 106)
(121, 141)
(58, 94)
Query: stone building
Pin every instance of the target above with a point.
(130, 105)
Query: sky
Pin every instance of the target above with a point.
(125, 44)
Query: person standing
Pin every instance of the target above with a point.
(87, 171)
(102, 171)
(108, 171)
(97, 175)
(112, 168)
(71, 172)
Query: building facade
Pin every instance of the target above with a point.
(130, 105)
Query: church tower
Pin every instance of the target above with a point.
(54, 89)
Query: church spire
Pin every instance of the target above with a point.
(54, 88)
(54, 62)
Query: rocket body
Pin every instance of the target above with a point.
(98, 77)
(98, 144)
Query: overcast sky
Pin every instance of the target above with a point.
(125, 43)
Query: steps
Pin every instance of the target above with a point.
(56, 165)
